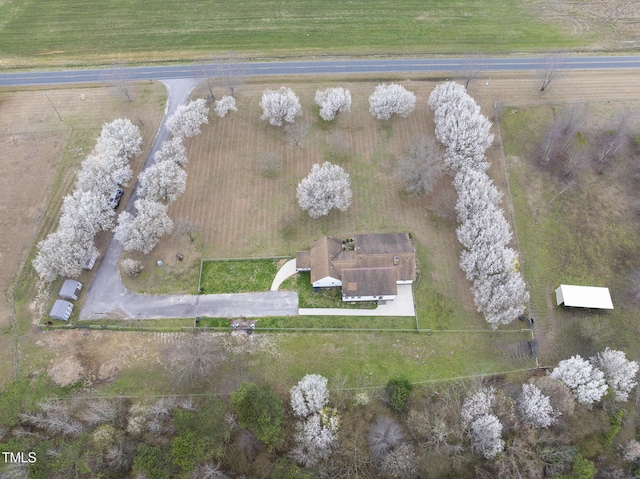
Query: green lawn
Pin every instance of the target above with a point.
(374, 357)
(586, 236)
(65, 31)
(237, 276)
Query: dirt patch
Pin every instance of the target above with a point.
(66, 371)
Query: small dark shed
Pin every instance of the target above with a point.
(70, 289)
(61, 310)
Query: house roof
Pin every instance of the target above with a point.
(322, 253)
(392, 252)
(383, 243)
(303, 260)
(369, 282)
(584, 296)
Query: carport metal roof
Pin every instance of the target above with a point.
(584, 296)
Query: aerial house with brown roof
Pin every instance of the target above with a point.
(367, 269)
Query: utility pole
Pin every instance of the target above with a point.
(54, 107)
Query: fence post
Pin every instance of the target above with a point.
(200, 277)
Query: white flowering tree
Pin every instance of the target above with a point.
(316, 437)
(476, 194)
(485, 433)
(309, 396)
(326, 187)
(332, 102)
(142, 232)
(172, 150)
(535, 408)
(63, 252)
(631, 451)
(392, 99)
(466, 135)
(188, 118)
(476, 405)
(620, 373)
(483, 427)
(316, 431)
(498, 289)
(460, 127)
(448, 95)
(163, 182)
(88, 211)
(280, 106)
(224, 105)
(102, 174)
(120, 137)
(586, 382)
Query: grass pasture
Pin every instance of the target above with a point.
(122, 31)
(586, 236)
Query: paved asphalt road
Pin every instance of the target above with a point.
(511, 63)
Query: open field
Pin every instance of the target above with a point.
(123, 31)
(587, 235)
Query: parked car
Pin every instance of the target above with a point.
(114, 199)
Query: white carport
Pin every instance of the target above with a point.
(584, 297)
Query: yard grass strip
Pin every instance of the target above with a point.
(237, 276)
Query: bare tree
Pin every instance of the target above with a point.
(400, 463)
(561, 150)
(228, 72)
(612, 141)
(100, 411)
(269, 164)
(197, 359)
(550, 69)
(120, 80)
(209, 470)
(385, 434)
(472, 67)
(422, 166)
(295, 133)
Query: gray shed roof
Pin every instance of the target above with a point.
(61, 310)
(70, 289)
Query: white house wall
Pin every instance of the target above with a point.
(327, 282)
